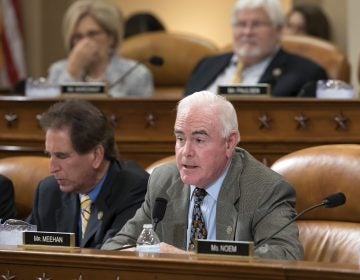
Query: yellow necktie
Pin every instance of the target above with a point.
(237, 75)
(85, 202)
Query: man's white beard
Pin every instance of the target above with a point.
(244, 52)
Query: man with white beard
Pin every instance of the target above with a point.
(257, 55)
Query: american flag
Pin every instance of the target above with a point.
(12, 58)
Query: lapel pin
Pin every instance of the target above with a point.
(277, 72)
(229, 230)
(100, 215)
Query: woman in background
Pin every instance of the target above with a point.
(308, 20)
(92, 31)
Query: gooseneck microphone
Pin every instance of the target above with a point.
(330, 201)
(158, 211)
(153, 60)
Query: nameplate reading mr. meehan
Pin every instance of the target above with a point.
(222, 247)
(62, 239)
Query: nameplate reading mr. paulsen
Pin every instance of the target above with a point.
(62, 239)
(246, 90)
(216, 247)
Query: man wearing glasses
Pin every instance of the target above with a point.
(257, 56)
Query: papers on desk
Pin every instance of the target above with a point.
(41, 88)
(11, 232)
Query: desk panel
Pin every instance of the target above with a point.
(270, 128)
(87, 264)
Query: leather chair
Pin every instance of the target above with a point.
(159, 162)
(180, 53)
(327, 234)
(25, 172)
(320, 51)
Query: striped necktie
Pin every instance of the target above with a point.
(198, 228)
(85, 202)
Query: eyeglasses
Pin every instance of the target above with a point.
(255, 25)
(90, 34)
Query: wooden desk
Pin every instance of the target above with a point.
(87, 264)
(269, 128)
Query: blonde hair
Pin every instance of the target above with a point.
(105, 13)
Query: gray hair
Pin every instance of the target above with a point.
(272, 8)
(206, 99)
(105, 13)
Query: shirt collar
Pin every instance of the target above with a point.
(93, 194)
(213, 189)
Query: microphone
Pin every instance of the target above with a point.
(158, 211)
(331, 201)
(153, 60)
(157, 214)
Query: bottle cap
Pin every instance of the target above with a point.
(147, 226)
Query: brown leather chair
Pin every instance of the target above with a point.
(320, 51)
(328, 234)
(25, 172)
(180, 53)
(159, 162)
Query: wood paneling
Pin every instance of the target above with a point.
(269, 128)
(88, 264)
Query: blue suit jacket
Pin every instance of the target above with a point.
(121, 195)
(287, 74)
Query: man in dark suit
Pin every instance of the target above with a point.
(242, 199)
(7, 204)
(84, 163)
(257, 56)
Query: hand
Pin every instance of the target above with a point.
(82, 56)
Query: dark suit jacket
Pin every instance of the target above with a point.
(287, 74)
(7, 204)
(253, 203)
(121, 195)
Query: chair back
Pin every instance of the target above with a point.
(180, 53)
(327, 234)
(159, 162)
(25, 172)
(320, 51)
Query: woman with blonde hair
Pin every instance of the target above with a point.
(92, 31)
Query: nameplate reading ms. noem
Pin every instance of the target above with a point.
(62, 239)
(246, 90)
(79, 87)
(220, 247)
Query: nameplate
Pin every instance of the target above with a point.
(62, 239)
(89, 88)
(219, 247)
(246, 90)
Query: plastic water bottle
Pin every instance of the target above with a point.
(148, 241)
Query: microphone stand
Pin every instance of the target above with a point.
(289, 222)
